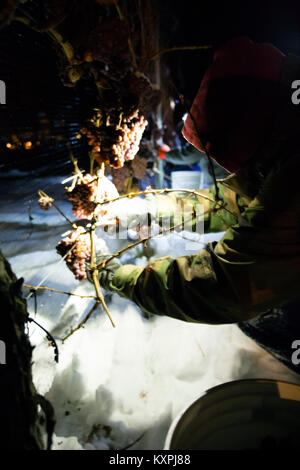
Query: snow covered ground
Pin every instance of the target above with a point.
(112, 386)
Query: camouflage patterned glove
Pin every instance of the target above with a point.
(105, 274)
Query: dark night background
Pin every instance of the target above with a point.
(215, 22)
(35, 93)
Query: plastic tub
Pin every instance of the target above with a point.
(240, 415)
(187, 179)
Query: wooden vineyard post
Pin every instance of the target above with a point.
(18, 398)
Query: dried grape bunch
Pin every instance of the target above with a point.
(115, 140)
(80, 254)
(139, 166)
(120, 176)
(128, 143)
(149, 94)
(105, 45)
(45, 202)
(87, 192)
(83, 197)
(116, 128)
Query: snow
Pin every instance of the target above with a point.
(116, 386)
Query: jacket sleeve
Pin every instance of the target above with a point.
(254, 267)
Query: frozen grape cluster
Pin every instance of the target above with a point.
(87, 192)
(45, 202)
(116, 142)
(115, 128)
(83, 197)
(80, 240)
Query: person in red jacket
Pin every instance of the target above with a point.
(243, 116)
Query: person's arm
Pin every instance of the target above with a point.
(255, 267)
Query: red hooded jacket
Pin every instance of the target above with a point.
(235, 102)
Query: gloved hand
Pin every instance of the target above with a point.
(138, 211)
(132, 212)
(106, 273)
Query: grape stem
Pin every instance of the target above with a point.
(77, 172)
(43, 194)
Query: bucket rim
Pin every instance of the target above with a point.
(211, 390)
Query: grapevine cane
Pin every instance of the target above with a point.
(89, 314)
(50, 200)
(94, 269)
(144, 240)
(59, 291)
(133, 57)
(168, 190)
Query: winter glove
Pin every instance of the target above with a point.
(131, 212)
(138, 211)
(106, 273)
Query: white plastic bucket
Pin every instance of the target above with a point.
(187, 179)
(240, 415)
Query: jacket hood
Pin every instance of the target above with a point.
(231, 114)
